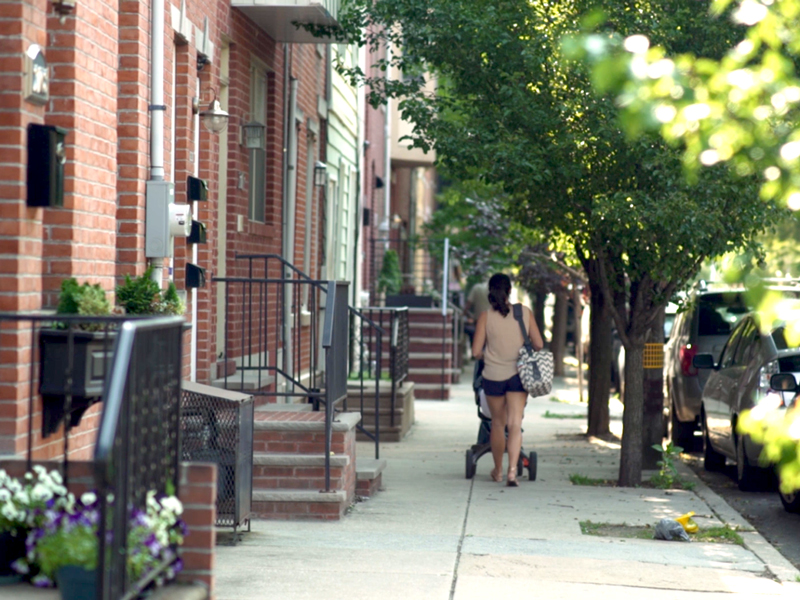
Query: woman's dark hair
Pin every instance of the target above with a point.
(499, 291)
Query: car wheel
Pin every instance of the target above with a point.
(749, 477)
(681, 434)
(712, 460)
(791, 501)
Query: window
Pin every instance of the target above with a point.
(749, 339)
(257, 159)
(729, 351)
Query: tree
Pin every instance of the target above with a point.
(515, 110)
(740, 110)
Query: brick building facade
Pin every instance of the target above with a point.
(99, 59)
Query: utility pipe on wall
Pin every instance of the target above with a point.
(289, 209)
(156, 110)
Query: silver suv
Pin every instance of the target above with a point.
(701, 327)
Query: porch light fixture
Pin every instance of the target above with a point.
(254, 135)
(214, 118)
(320, 174)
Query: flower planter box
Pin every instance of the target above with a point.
(91, 359)
(12, 547)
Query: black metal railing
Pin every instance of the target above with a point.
(366, 363)
(272, 332)
(132, 365)
(334, 340)
(382, 326)
(138, 443)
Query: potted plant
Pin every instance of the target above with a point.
(143, 296)
(89, 344)
(63, 550)
(22, 506)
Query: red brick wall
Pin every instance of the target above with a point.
(99, 59)
(198, 493)
(22, 23)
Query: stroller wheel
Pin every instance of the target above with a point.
(532, 466)
(470, 471)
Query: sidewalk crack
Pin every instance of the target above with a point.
(461, 539)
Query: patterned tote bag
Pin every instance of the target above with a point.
(535, 366)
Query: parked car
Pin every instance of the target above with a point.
(739, 381)
(782, 382)
(703, 326)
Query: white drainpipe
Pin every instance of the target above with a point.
(289, 211)
(157, 112)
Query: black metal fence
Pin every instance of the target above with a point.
(380, 327)
(217, 427)
(138, 443)
(132, 366)
(272, 332)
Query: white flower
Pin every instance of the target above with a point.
(4, 495)
(172, 504)
(39, 470)
(56, 477)
(88, 498)
(22, 497)
(41, 492)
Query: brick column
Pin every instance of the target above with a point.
(80, 239)
(22, 23)
(133, 149)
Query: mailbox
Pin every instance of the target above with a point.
(46, 158)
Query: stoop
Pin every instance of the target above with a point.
(289, 464)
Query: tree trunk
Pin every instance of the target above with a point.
(653, 415)
(558, 342)
(599, 362)
(538, 310)
(630, 464)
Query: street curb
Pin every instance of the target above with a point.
(781, 568)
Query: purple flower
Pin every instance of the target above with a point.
(42, 581)
(184, 529)
(139, 518)
(177, 566)
(151, 543)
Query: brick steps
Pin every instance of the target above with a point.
(300, 504)
(289, 464)
(369, 476)
(431, 391)
(403, 409)
(296, 471)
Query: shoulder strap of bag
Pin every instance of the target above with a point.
(518, 316)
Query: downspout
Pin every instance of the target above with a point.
(290, 212)
(156, 110)
(387, 166)
(195, 172)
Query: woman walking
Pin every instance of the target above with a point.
(497, 341)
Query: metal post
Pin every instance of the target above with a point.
(445, 282)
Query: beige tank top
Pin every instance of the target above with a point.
(503, 341)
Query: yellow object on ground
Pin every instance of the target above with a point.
(686, 521)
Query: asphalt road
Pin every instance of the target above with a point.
(763, 509)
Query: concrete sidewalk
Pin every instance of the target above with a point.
(433, 534)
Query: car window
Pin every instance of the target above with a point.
(781, 343)
(729, 351)
(719, 312)
(748, 339)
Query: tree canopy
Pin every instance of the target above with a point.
(516, 110)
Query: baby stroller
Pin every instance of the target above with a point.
(526, 460)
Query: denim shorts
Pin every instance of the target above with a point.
(499, 388)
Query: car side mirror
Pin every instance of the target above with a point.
(703, 361)
(783, 382)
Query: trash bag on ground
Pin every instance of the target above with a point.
(671, 530)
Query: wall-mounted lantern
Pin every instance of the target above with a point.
(320, 174)
(214, 118)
